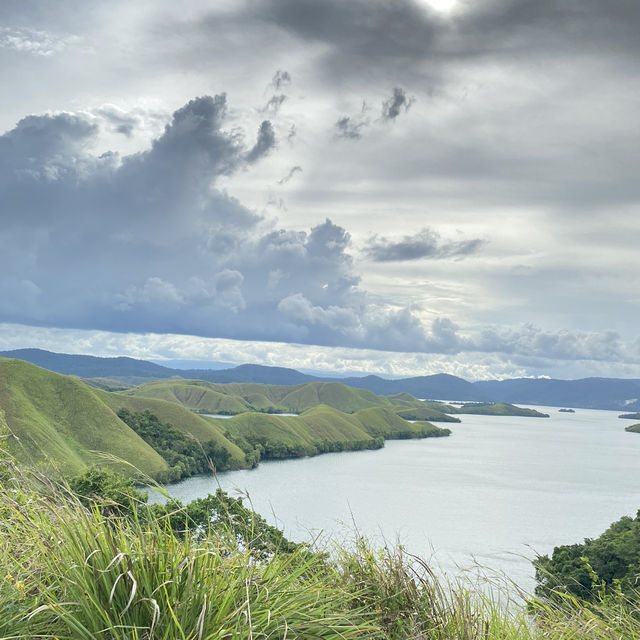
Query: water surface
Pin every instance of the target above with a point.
(494, 492)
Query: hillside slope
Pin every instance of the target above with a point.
(234, 398)
(182, 419)
(58, 421)
(319, 430)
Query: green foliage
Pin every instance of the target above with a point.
(76, 574)
(190, 424)
(220, 514)
(71, 570)
(634, 428)
(320, 429)
(185, 456)
(111, 492)
(630, 416)
(589, 571)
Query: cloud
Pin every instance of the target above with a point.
(426, 244)
(120, 120)
(274, 103)
(148, 242)
(396, 104)
(532, 341)
(292, 172)
(34, 41)
(265, 143)
(348, 128)
(280, 79)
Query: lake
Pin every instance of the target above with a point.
(495, 492)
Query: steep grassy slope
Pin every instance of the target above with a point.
(182, 419)
(320, 429)
(235, 398)
(59, 421)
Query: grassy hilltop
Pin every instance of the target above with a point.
(234, 398)
(57, 421)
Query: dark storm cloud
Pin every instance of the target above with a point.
(377, 35)
(146, 242)
(265, 143)
(396, 104)
(424, 244)
(364, 35)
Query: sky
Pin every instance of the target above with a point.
(401, 187)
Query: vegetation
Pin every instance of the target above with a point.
(319, 430)
(57, 421)
(91, 559)
(185, 456)
(190, 424)
(497, 409)
(234, 398)
(107, 384)
(606, 566)
(633, 428)
(425, 413)
(630, 416)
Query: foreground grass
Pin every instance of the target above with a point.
(69, 571)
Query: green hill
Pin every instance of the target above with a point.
(234, 398)
(497, 409)
(319, 430)
(633, 428)
(57, 421)
(182, 419)
(61, 422)
(630, 416)
(196, 395)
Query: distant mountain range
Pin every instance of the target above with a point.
(588, 393)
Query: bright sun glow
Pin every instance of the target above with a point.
(445, 6)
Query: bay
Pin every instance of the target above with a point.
(494, 493)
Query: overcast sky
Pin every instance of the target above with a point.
(393, 186)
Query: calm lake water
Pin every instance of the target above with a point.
(495, 492)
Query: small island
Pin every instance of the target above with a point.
(566, 410)
(630, 416)
(634, 428)
(496, 409)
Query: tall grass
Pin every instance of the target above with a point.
(72, 572)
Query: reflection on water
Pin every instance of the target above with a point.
(496, 491)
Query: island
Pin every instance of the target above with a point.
(634, 428)
(566, 410)
(630, 416)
